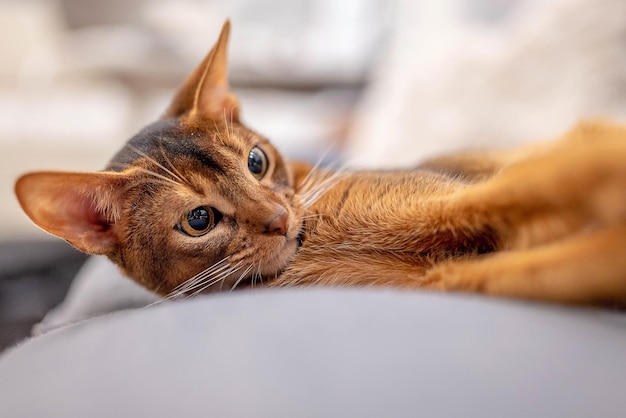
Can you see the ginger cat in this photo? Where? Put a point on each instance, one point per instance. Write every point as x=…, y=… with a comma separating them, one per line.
x=197, y=202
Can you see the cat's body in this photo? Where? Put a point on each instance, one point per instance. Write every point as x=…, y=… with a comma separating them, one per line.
x=197, y=202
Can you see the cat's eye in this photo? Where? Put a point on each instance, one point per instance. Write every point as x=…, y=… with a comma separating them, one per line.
x=199, y=221
x=257, y=162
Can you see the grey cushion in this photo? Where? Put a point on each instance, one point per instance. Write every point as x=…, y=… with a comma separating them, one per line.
x=325, y=353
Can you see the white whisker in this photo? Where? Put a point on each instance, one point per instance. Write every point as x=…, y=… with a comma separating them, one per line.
x=218, y=279
x=318, y=187
x=313, y=216
x=202, y=280
x=228, y=132
x=317, y=164
x=174, y=169
x=208, y=270
x=155, y=162
x=218, y=133
x=157, y=175
x=243, y=275
x=208, y=274
x=146, y=171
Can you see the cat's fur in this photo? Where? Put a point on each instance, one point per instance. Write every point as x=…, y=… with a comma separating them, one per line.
x=545, y=223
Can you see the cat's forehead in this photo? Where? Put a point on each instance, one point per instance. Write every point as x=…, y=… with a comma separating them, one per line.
x=204, y=142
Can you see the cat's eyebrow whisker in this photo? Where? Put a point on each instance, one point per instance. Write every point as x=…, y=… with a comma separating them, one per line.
x=228, y=132
x=157, y=175
x=218, y=133
x=232, y=125
x=145, y=171
x=155, y=162
x=179, y=175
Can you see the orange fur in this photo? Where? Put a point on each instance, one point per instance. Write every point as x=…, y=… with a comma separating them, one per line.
x=545, y=222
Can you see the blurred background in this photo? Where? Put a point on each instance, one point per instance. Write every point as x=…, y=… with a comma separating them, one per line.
x=384, y=82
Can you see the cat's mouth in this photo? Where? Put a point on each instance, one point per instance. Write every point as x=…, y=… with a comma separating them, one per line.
x=300, y=237
x=273, y=267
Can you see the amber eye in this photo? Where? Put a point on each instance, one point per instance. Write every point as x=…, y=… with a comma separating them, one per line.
x=199, y=221
x=257, y=162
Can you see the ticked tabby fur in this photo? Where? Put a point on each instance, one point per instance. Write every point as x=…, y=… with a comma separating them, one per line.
x=197, y=202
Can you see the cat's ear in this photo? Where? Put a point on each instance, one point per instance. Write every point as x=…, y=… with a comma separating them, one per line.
x=78, y=207
x=206, y=90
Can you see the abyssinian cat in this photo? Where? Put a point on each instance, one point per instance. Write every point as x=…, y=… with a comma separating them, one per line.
x=197, y=202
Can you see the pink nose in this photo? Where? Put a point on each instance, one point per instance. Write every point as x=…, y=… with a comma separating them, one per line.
x=279, y=224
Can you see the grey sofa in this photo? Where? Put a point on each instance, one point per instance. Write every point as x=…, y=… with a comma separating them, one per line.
x=325, y=353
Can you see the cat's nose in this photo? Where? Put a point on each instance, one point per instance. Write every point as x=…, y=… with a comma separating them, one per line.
x=279, y=224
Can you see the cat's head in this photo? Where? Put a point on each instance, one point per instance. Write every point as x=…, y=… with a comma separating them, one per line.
x=192, y=191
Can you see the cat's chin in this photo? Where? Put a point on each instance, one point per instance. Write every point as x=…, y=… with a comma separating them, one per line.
x=272, y=266
x=279, y=261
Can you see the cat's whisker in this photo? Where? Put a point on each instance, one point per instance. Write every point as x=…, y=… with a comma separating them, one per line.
x=312, y=216
x=218, y=133
x=155, y=162
x=209, y=270
x=196, y=280
x=218, y=279
x=310, y=180
x=228, y=132
x=146, y=171
x=209, y=279
x=157, y=175
x=243, y=276
x=257, y=276
x=231, y=122
x=316, y=167
x=202, y=284
x=214, y=278
x=317, y=176
x=322, y=187
x=179, y=175
x=204, y=279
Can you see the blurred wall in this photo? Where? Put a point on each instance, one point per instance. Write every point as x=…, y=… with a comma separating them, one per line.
x=391, y=81
x=79, y=77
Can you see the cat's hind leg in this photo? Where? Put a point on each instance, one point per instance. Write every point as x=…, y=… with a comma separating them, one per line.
x=577, y=185
x=559, y=218
x=587, y=268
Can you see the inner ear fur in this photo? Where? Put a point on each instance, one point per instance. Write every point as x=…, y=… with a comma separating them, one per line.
x=206, y=91
x=81, y=208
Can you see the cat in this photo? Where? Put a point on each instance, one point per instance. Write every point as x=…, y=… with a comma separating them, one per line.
x=196, y=202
